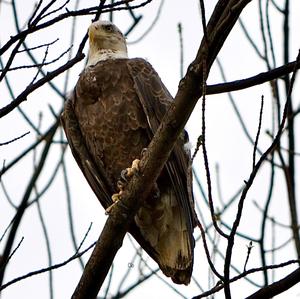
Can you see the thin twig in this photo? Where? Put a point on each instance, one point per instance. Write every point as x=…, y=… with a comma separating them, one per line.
x=152, y=25
x=48, y=246
x=203, y=135
x=55, y=10
x=37, y=7
x=264, y=221
x=249, y=248
x=29, y=149
x=14, y=139
x=6, y=194
x=39, y=46
x=250, y=39
x=40, y=271
x=258, y=130
x=263, y=35
x=181, y=63
x=7, y=228
x=277, y=7
x=4, y=260
x=39, y=65
x=219, y=286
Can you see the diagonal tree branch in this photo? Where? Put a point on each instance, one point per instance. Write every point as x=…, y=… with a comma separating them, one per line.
x=277, y=287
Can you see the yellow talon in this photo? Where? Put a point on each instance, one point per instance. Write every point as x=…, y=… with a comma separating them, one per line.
x=108, y=210
x=134, y=168
x=115, y=198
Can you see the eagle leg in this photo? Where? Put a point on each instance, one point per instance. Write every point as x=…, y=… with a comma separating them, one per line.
x=121, y=184
x=134, y=169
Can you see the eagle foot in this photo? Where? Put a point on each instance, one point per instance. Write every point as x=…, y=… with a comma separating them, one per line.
x=109, y=209
x=121, y=184
x=115, y=198
x=124, y=176
x=144, y=151
x=134, y=169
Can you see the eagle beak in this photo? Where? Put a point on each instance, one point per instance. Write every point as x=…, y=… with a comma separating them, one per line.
x=95, y=33
x=91, y=33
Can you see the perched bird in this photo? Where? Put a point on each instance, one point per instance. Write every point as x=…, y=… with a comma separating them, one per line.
x=111, y=116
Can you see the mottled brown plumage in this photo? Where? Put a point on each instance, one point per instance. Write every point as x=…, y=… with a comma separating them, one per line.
x=113, y=113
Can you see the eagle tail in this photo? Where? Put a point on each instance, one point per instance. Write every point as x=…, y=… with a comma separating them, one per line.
x=163, y=225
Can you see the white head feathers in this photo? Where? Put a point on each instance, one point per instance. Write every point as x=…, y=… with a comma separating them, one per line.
x=106, y=42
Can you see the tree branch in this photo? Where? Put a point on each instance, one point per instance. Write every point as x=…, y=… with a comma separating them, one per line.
x=23, y=205
x=254, y=80
x=277, y=287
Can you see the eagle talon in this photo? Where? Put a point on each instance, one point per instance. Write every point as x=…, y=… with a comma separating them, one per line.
x=109, y=209
x=134, y=169
x=144, y=151
x=124, y=175
x=115, y=198
x=156, y=192
x=121, y=185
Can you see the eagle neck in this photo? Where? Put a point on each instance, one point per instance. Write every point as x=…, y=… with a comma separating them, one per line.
x=105, y=54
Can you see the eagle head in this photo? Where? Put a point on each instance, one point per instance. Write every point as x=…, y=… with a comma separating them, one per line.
x=106, y=42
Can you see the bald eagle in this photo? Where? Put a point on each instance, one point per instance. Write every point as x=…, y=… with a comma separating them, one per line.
x=111, y=116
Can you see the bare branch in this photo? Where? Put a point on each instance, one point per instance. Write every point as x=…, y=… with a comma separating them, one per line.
x=258, y=130
x=39, y=46
x=39, y=65
x=277, y=287
x=14, y=139
x=4, y=260
x=253, y=81
x=220, y=286
x=152, y=25
x=249, y=248
x=40, y=271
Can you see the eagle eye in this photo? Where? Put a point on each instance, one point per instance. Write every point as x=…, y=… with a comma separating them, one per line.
x=108, y=28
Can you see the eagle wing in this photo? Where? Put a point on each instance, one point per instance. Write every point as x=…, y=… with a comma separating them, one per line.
x=94, y=173
x=156, y=100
